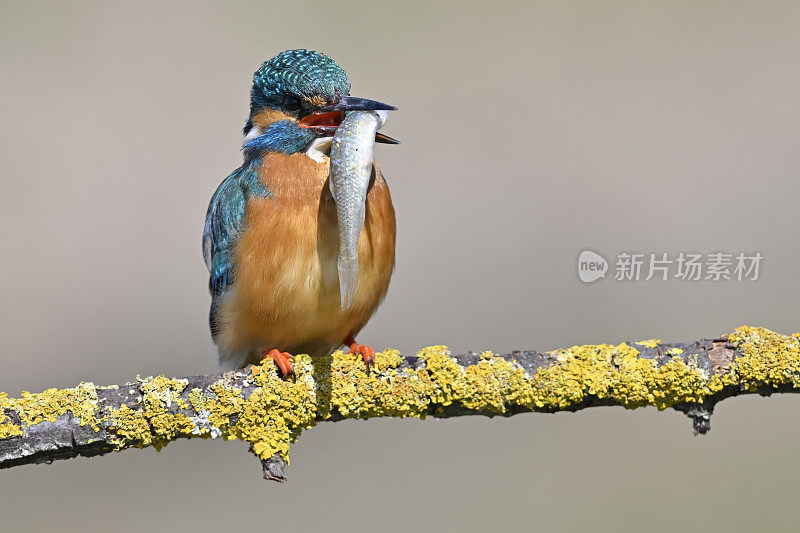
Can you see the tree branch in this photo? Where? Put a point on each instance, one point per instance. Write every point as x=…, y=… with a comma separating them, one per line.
x=254, y=405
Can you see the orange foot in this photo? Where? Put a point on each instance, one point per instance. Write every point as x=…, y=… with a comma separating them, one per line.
x=365, y=350
x=283, y=361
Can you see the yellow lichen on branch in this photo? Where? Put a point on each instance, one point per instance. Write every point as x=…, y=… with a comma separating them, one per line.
x=256, y=406
x=770, y=359
x=32, y=408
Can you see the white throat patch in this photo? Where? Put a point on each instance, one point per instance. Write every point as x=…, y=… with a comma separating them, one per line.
x=254, y=132
x=320, y=149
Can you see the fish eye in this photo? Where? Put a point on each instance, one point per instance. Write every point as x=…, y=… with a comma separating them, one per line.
x=291, y=104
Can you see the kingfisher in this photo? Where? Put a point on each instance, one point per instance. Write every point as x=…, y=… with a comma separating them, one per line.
x=270, y=241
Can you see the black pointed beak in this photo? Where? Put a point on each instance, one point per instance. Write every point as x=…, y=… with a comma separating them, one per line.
x=326, y=119
x=354, y=103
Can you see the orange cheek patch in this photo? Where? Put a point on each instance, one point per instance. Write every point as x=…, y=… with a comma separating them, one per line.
x=266, y=117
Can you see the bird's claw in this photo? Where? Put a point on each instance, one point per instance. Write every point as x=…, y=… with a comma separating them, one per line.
x=366, y=352
x=283, y=361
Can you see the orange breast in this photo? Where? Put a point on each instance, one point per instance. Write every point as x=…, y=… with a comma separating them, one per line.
x=286, y=289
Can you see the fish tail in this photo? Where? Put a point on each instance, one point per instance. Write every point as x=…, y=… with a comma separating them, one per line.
x=348, y=275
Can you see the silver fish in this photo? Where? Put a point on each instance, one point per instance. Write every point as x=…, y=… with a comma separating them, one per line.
x=351, y=168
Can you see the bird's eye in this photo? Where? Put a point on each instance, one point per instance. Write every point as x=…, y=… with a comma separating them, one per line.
x=291, y=104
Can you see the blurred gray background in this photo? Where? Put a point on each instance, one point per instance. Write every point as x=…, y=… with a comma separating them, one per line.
x=530, y=131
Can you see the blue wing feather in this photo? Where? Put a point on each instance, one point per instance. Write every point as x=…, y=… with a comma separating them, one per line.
x=224, y=221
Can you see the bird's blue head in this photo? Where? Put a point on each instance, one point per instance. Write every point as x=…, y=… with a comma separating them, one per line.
x=295, y=79
x=299, y=96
